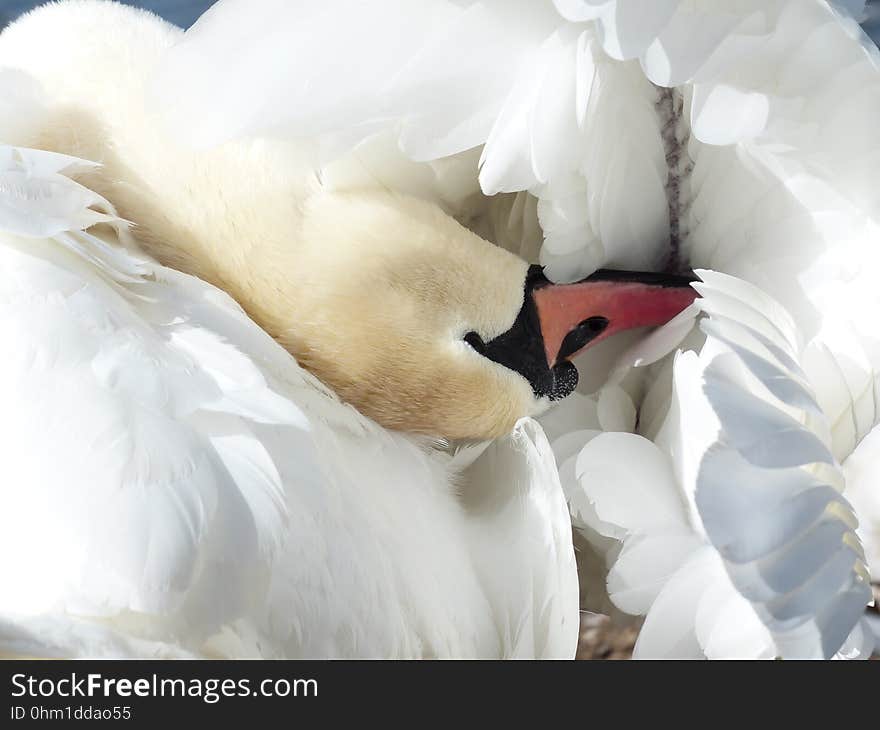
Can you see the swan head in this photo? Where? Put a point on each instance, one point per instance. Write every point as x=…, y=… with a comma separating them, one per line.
x=426, y=327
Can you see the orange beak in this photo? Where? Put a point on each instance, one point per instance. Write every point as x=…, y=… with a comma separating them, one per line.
x=557, y=321
x=575, y=316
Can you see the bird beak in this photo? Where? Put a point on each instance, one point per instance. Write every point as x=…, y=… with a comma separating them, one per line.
x=575, y=316
x=557, y=321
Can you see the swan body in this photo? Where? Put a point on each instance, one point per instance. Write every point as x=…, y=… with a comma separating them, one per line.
x=175, y=483
x=178, y=486
x=734, y=164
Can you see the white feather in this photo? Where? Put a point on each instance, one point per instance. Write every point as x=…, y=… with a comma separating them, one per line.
x=177, y=485
x=620, y=174
x=753, y=551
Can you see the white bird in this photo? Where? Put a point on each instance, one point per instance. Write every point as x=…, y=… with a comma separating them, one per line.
x=735, y=165
x=204, y=495
x=732, y=137
x=176, y=485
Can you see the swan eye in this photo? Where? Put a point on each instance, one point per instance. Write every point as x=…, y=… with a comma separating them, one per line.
x=476, y=342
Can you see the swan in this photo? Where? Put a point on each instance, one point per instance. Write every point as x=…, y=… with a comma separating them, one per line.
x=443, y=341
x=205, y=495
x=730, y=137
x=179, y=487
x=611, y=139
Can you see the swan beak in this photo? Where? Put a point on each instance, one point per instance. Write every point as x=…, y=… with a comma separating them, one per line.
x=575, y=316
x=557, y=321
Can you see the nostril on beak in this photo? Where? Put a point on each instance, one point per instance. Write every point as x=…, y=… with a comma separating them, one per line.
x=581, y=336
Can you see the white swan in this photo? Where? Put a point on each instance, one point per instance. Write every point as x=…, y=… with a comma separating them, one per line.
x=754, y=160
x=200, y=498
x=176, y=485
x=256, y=220
x=787, y=204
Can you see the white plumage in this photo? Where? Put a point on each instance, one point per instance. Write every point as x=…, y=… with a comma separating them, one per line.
x=175, y=484
x=755, y=160
x=728, y=530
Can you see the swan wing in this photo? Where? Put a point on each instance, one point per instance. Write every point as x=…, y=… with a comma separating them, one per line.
x=740, y=493
x=135, y=481
x=769, y=491
x=562, y=96
x=520, y=533
x=345, y=69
